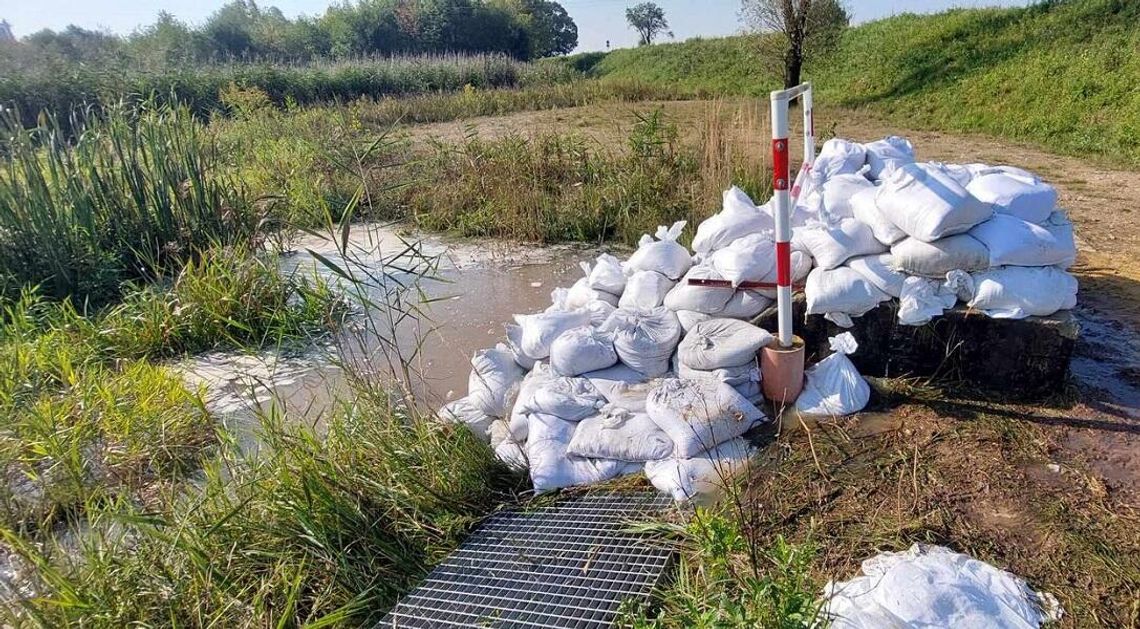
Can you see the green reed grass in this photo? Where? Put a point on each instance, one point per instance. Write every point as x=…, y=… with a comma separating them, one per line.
x=134, y=196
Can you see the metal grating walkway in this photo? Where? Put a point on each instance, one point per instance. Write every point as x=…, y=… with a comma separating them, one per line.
x=571, y=564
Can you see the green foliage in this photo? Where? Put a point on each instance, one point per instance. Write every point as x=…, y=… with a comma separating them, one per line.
x=722, y=584
x=137, y=194
x=317, y=528
x=648, y=20
x=1056, y=73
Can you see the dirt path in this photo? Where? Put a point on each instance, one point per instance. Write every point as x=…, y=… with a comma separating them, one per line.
x=1102, y=430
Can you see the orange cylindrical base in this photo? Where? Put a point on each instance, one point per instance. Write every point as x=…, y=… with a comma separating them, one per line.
x=782, y=371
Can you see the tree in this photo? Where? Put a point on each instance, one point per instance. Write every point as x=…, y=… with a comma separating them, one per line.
x=6, y=36
x=800, y=29
x=552, y=30
x=648, y=20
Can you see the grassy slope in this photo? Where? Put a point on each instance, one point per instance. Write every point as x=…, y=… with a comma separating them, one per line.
x=1062, y=74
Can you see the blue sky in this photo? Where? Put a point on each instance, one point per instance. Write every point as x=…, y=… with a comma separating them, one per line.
x=598, y=20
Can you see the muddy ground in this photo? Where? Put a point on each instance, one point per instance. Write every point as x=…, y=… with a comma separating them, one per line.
x=1049, y=490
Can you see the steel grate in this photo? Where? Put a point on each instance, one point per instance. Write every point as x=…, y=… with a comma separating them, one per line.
x=571, y=564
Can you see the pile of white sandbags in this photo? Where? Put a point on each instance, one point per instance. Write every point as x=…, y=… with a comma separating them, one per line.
x=606, y=381
x=991, y=237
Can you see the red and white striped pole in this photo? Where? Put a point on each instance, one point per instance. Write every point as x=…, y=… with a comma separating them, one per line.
x=781, y=184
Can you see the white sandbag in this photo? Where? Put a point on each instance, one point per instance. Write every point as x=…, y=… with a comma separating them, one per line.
x=923, y=299
x=551, y=468
x=880, y=271
x=927, y=204
x=732, y=376
x=607, y=275
x=538, y=377
x=1014, y=242
x=750, y=391
x=581, y=293
x=840, y=294
x=645, y=289
x=1027, y=198
x=962, y=174
x=865, y=210
x=885, y=155
x=745, y=304
x=644, y=338
x=598, y=312
x=833, y=244
x=494, y=373
x=833, y=386
x=747, y=259
x=703, y=476
x=931, y=586
x=514, y=341
x=567, y=398
x=463, y=411
x=978, y=169
x=719, y=343
x=620, y=434
x=582, y=349
x=706, y=299
x=836, y=157
x=559, y=300
x=689, y=318
x=540, y=330
x=700, y=414
x=1016, y=292
x=506, y=448
x=738, y=217
x=621, y=386
x=663, y=255
x=807, y=206
x=838, y=192
x=936, y=259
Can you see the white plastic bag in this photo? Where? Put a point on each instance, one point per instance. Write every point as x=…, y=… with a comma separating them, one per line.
x=1027, y=198
x=747, y=259
x=720, y=343
x=733, y=376
x=885, y=155
x=663, y=255
x=923, y=299
x=538, y=377
x=738, y=217
x=645, y=289
x=644, y=339
x=838, y=192
x=582, y=349
x=840, y=294
x=833, y=244
x=930, y=586
x=551, y=468
x=745, y=304
x=936, y=259
x=702, y=476
x=506, y=448
x=581, y=293
x=706, y=299
x=1014, y=242
x=690, y=318
x=959, y=173
x=1016, y=292
x=700, y=414
x=607, y=275
x=540, y=330
x=494, y=373
x=621, y=386
x=1061, y=228
x=598, y=312
x=927, y=204
x=836, y=157
x=880, y=271
x=620, y=434
x=833, y=386
x=462, y=411
x=865, y=210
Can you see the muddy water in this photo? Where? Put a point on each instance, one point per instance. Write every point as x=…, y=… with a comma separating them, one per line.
x=462, y=292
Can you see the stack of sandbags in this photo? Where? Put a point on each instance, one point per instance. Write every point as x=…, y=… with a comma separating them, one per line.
x=723, y=350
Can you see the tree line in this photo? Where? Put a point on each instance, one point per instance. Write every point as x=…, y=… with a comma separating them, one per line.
x=242, y=29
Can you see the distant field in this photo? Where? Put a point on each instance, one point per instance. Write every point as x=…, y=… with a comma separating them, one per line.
x=1061, y=74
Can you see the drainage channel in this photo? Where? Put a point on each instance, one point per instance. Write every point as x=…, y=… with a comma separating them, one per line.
x=570, y=564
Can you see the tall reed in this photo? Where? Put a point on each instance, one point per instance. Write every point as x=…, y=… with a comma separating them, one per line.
x=136, y=194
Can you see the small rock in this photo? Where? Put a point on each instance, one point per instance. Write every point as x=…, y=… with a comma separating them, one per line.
x=1053, y=467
